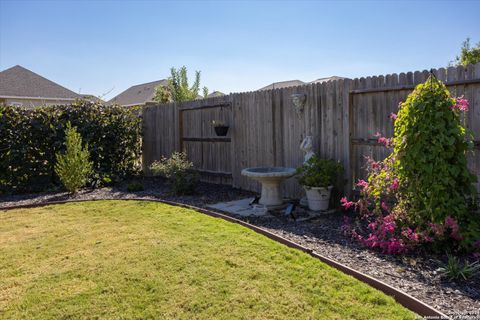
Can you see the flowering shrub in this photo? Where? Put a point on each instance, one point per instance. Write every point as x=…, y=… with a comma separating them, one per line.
x=423, y=193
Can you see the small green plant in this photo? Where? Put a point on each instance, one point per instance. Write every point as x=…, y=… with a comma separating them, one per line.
x=73, y=167
x=218, y=123
x=135, y=187
x=318, y=172
x=454, y=270
x=178, y=169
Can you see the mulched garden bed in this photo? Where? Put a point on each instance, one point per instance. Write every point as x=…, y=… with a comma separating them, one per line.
x=415, y=275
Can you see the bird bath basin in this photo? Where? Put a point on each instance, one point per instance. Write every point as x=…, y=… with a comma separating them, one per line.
x=270, y=178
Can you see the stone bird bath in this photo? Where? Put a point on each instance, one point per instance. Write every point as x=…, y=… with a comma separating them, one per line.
x=271, y=179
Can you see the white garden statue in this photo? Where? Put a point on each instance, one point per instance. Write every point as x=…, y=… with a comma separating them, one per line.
x=307, y=147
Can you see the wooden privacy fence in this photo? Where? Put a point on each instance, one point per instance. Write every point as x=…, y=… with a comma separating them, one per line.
x=265, y=130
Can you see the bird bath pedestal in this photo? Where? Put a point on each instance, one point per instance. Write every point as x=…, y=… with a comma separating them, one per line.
x=270, y=178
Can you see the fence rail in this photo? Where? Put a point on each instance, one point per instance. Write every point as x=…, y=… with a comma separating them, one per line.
x=265, y=130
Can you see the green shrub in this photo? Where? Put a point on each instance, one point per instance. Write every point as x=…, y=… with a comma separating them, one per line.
x=178, y=169
x=30, y=138
x=430, y=147
x=73, y=167
x=135, y=187
x=320, y=173
x=423, y=193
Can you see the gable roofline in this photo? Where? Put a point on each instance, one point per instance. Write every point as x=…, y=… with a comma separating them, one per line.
x=37, y=98
x=21, y=82
x=137, y=94
x=282, y=84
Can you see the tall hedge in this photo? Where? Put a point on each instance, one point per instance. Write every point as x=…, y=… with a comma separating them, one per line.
x=30, y=138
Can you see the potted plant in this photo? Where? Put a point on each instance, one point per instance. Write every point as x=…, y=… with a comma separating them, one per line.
x=221, y=129
x=318, y=176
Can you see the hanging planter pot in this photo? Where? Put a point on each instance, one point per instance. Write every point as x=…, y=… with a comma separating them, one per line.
x=221, y=131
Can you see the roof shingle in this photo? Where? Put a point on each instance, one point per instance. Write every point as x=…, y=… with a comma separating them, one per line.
x=138, y=94
x=20, y=82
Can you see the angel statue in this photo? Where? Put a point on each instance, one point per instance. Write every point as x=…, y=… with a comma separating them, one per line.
x=307, y=147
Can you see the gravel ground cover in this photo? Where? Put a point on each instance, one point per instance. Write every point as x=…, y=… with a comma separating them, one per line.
x=416, y=275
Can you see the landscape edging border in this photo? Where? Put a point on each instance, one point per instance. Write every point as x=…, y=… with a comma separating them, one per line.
x=401, y=297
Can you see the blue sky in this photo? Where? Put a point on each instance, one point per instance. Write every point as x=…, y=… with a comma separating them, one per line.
x=100, y=46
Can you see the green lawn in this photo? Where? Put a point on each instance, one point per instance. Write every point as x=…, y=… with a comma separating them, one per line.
x=146, y=260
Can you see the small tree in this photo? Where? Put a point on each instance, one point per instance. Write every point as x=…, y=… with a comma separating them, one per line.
x=177, y=89
x=73, y=167
x=468, y=55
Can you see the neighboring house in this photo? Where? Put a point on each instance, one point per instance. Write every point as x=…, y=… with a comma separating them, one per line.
x=22, y=87
x=215, y=94
x=137, y=95
x=282, y=84
x=294, y=83
x=332, y=78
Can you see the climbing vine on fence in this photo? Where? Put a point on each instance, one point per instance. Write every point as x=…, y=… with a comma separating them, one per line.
x=423, y=193
x=29, y=139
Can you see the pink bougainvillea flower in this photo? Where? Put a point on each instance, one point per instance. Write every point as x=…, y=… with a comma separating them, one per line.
x=372, y=241
x=389, y=227
x=372, y=163
x=385, y=206
x=394, y=185
x=362, y=183
x=372, y=225
x=385, y=141
x=393, y=116
x=411, y=235
x=452, y=224
x=437, y=229
x=428, y=239
x=461, y=104
x=395, y=246
x=346, y=204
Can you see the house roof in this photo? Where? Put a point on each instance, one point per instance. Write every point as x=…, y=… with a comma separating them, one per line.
x=320, y=80
x=215, y=94
x=138, y=94
x=282, y=84
x=20, y=82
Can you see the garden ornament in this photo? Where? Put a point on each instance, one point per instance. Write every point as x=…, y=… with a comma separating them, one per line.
x=307, y=147
x=299, y=100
